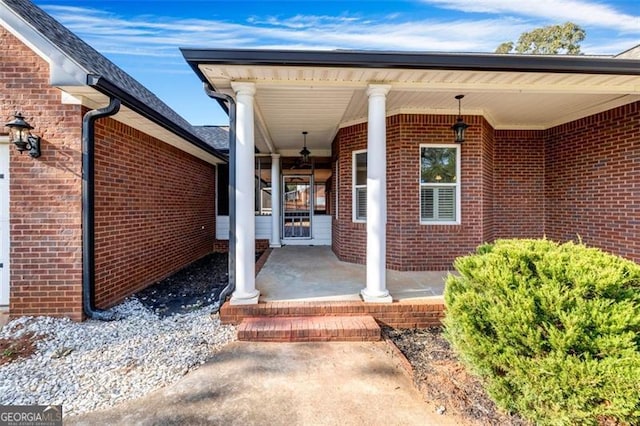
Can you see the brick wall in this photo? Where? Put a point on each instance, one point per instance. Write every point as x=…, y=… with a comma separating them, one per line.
x=578, y=179
x=410, y=245
x=519, y=200
x=488, y=184
x=592, y=181
x=222, y=246
x=349, y=239
x=154, y=210
x=45, y=193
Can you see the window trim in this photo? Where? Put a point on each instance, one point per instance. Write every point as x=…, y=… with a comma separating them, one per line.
x=457, y=185
x=354, y=218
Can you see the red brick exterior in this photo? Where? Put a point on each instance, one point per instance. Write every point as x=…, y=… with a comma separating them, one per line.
x=416, y=314
x=155, y=205
x=45, y=193
x=154, y=210
x=222, y=246
x=412, y=246
x=519, y=200
x=592, y=181
x=580, y=179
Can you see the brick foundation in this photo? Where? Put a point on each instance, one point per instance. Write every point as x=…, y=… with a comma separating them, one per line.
x=397, y=314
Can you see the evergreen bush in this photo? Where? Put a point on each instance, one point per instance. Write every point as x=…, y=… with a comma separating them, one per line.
x=552, y=329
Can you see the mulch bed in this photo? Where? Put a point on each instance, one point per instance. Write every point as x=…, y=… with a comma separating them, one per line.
x=442, y=379
x=16, y=348
x=192, y=287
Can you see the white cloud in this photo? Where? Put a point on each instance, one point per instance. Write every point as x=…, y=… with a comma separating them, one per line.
x=583, y=13
x=155, y=37
x=160, y=37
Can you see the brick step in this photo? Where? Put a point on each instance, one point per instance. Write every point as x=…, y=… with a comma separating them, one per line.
x=309, y=329
x=398, y=315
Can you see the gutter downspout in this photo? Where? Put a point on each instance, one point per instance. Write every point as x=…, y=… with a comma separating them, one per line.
x=231, y=285
x=88, y=217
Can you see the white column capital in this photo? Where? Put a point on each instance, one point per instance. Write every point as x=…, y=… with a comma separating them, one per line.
x=244, y=88
x=378, y=89
x=275, y=156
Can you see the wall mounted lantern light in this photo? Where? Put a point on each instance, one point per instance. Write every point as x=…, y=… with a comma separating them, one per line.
x=21, y=137
x=304, y=152
x=460, y=126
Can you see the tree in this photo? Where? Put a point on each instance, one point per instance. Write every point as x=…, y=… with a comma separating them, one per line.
x=549, y=40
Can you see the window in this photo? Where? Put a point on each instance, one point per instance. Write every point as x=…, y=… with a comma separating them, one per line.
x=439, y=184
x=360, y=186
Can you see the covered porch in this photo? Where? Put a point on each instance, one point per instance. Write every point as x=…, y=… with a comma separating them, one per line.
x=398, y=189
x=314, y=274
x=310, y=281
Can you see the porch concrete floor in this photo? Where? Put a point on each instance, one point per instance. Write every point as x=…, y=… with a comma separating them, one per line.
x=314, y=273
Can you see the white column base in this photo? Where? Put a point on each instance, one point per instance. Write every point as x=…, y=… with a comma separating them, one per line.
x=277, y=245
x=244, y=299
x=384, y=297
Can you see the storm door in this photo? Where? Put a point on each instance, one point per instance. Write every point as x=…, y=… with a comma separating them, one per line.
x=297, y=201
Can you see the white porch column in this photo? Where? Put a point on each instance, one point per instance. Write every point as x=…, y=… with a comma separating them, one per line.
x=275, y=200
x=376, y=289
x=245, y=292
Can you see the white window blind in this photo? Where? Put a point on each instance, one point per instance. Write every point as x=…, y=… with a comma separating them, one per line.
x=359, y=186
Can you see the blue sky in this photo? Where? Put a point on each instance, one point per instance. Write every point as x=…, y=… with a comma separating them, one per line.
x=142, y=37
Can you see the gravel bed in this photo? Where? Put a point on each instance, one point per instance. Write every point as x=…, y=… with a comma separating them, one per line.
x=92, y=365
x=162, y=333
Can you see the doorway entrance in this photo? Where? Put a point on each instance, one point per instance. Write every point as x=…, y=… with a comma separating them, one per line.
x=297, y=206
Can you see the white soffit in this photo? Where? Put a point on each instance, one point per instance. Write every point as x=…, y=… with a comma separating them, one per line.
x=322, y=99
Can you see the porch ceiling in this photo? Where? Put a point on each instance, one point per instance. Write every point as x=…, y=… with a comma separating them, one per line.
x=320, y=100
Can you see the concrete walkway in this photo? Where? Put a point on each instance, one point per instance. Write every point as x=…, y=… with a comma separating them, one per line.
x=297, y=273
x=283, y=384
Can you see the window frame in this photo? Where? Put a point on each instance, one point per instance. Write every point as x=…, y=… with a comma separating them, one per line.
x=354, y=187
x=457, y=185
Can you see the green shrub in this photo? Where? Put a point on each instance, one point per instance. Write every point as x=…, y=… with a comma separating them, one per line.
x=553, y=330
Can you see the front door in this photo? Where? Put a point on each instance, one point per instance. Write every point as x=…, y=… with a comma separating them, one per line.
x=4, y=221
x=297, y=202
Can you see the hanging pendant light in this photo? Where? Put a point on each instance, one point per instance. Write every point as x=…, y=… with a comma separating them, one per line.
x=460, y=126
x=304, y=152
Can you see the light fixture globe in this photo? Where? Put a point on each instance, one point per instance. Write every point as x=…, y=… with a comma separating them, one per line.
x=460, y=127
x=21, y=137
x=304, y=152
x=19, y=132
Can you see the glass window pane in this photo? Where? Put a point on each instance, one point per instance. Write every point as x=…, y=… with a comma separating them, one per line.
x=361, y=168
x=438, y=165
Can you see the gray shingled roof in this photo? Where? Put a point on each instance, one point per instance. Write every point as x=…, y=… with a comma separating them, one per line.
x=94, y=63
x=216, y=136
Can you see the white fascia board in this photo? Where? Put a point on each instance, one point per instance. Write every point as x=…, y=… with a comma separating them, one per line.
x=63, y=71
